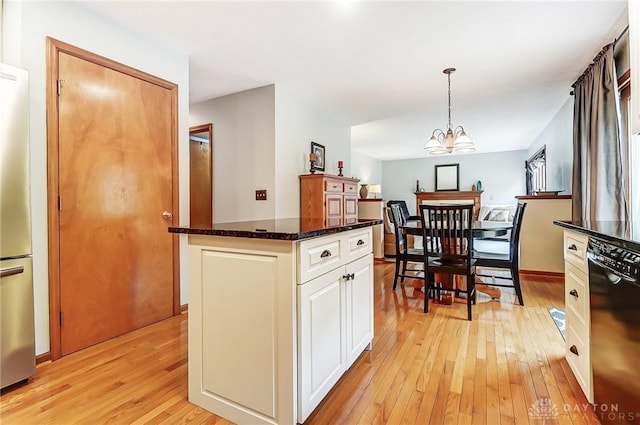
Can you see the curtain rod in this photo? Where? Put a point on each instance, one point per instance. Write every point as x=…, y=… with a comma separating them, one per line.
x=615, y=41
x=621, y=35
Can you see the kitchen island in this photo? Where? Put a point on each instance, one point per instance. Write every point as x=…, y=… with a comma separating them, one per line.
x=277, y=313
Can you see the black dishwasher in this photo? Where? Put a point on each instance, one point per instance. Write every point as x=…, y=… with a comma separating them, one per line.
x=614, y=286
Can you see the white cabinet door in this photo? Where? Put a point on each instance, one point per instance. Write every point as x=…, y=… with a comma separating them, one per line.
x=359, y=306
x=321, y=339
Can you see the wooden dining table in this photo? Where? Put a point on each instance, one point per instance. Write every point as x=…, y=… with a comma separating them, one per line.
x=480, y=229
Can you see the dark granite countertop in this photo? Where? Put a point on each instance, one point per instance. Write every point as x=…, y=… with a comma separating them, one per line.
x=289, y=229
x=622, y=233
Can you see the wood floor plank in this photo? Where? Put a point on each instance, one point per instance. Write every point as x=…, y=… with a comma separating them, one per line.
x=436, y=368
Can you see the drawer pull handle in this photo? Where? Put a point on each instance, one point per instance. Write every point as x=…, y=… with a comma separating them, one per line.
x=360, y=242
x=574, y=350
x=574, y=293
x=326, y=253
x=572, y=247
x=10, y=271
x=349, y=276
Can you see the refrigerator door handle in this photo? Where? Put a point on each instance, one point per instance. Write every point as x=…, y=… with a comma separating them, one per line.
x=10, y=271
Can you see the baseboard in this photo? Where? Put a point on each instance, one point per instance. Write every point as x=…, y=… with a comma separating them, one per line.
x=184, y=307
x=44, y=357
x=544, y=276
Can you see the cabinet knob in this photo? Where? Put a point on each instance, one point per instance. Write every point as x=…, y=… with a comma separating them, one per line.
x=574, y=350
x=326, y=253
x=352, y=275
x=360, y=242
x=574, y=293
x=167, y=215
x=572, y=247
x=346, y=277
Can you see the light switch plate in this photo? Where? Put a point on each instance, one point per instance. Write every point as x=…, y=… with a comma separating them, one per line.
x=261, y=195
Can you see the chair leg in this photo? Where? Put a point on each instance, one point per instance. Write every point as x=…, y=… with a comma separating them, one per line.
x=427, y=287
x=395, y=276
x=470, y=295
x=404, y=270
x=515, y=276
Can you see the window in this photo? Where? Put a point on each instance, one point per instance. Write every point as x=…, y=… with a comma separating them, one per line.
x=536, y=169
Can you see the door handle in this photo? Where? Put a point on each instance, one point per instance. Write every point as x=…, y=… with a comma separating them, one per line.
x=10, y=271
x=167, y=215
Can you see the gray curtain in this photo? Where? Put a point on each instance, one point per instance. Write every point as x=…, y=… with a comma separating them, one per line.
x=599, y=186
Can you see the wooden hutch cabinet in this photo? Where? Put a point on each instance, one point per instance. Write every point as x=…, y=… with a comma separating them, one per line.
x=331, y=198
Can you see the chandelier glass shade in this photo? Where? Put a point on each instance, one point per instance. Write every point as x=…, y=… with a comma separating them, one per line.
x=453, y=139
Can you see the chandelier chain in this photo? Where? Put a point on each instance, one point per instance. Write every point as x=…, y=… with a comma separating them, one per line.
x=449, y=126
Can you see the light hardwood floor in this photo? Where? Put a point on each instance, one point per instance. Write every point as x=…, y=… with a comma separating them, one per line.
x=507, y=366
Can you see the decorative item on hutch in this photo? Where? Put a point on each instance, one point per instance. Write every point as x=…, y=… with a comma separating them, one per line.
x=340, y=168
x=318, y=151
x=312, y=161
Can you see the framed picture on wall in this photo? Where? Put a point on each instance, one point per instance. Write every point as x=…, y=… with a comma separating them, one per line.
x=318, y=150
x=447, y=177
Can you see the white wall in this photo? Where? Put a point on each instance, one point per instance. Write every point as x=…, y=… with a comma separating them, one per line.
x=367, y=169
x=558, y=137
x=243, y=152
x=25, y=27
x=261, y=140
x=298, y=123
x=501, y=173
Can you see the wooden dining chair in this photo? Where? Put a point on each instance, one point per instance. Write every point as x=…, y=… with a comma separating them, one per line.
x=404, y=209
x=448, y=246
x=404, y=254
x=509, y=261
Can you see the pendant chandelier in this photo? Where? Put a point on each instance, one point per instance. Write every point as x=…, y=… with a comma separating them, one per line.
x=454, y=139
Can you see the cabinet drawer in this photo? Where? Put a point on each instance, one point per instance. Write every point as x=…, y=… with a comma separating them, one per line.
x=318, y=256
x=580, y=363
x=351, y=187
x=332, y=185
x=575, y=246
x=358, y=243
x=576, y=295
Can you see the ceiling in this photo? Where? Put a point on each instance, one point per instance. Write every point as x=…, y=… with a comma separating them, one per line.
x=377, y=66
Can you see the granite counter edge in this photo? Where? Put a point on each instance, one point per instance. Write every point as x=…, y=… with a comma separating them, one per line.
x=273, y=235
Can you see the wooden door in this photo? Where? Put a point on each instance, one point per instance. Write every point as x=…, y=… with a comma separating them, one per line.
x=200, y=175
x=116, y=176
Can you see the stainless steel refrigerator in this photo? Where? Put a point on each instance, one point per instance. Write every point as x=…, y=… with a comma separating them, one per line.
x=17, y=334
